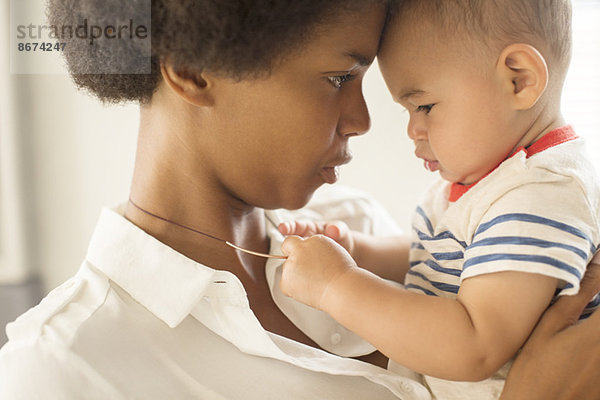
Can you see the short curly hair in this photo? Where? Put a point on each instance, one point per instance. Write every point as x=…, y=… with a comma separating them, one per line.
x=238, y=38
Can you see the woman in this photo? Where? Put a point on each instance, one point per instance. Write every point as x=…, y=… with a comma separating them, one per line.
x=249, y=106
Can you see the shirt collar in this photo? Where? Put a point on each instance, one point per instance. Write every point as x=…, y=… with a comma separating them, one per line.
x=164, y=281
x=171, y=286
x=550, y=139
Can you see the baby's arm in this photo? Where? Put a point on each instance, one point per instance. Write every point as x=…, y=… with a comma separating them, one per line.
x=465, y=339
x=385, y=256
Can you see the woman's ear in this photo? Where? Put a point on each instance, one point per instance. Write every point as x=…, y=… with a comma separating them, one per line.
x=525, y=72
x=193, y=87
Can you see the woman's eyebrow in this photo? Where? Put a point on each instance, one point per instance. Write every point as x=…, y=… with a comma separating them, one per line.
x=360, y=59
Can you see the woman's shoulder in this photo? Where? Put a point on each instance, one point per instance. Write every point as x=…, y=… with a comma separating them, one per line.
x=57, y=318
x=39, y=360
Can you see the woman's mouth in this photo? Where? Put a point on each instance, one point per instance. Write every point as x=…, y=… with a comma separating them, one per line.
x=331, y=173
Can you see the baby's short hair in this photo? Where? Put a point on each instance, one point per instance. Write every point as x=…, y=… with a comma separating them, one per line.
x=544, y=24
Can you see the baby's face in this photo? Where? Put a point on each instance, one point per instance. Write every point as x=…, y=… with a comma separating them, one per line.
x=460, y=119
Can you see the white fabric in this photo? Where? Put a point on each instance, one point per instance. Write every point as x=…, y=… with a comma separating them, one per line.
x=537, y=215
x=140, y=320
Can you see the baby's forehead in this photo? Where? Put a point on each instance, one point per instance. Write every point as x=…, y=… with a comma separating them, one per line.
x=545, y=25
x=426, y=40
x=410, y=42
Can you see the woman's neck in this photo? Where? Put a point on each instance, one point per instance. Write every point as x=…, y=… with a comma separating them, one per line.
x=170, y=181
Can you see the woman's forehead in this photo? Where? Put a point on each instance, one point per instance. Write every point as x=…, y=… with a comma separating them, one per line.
x=352, y=36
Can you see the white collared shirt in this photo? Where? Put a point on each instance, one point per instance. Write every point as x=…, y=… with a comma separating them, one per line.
x=141, y=321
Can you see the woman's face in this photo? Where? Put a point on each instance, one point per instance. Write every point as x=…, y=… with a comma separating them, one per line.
x=275, y=140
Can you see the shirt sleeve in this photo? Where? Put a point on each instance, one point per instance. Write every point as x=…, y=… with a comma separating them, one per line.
x=46, y=371
x=544, y=228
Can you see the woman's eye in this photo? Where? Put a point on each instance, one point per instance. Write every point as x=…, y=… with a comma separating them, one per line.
x=339, y=80
x=426, y=108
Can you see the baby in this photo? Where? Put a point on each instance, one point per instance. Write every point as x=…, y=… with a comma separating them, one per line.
x=512, y=223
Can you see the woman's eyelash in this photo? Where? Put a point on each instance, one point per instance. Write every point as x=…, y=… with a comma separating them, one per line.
x=426, y=108
x=339, y=80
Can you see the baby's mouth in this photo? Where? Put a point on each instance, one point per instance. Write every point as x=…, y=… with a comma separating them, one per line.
x=431, y=166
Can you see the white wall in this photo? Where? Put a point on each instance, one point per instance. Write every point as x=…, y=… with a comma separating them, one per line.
x=78, y=155
x=81, y=158
x=384, y=164
x=581, y=96
x=12, y=235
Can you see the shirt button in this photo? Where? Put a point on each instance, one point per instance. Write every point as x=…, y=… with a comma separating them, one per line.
x=336, y=338
x=406, y=387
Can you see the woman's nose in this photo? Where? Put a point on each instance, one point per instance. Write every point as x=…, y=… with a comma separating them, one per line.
x=355, y=119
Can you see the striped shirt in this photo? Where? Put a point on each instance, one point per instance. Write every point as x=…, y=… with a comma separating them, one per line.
x=537, y=212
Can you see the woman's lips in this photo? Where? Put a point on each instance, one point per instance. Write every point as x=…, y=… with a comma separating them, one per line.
x=331, y=173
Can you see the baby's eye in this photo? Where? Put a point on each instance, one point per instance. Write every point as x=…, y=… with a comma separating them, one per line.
x=339, y=80
x=426, y=108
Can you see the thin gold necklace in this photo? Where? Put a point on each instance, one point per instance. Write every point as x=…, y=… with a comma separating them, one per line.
x=228, y=243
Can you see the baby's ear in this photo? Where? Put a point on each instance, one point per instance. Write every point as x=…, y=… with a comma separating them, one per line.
x=193, y=87
x=525, y=72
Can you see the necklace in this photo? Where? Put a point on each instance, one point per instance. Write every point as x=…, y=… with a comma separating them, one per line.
x=228, y=243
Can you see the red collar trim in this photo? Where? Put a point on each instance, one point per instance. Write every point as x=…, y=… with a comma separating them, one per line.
x=550, y=139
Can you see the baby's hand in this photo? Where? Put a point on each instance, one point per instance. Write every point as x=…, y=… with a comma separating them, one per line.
x=312, y=265
x=336, y=230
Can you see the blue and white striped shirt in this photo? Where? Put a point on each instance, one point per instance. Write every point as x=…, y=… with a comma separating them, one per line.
x=534, y=213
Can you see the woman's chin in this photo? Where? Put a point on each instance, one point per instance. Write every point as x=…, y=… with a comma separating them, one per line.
x=292, y=200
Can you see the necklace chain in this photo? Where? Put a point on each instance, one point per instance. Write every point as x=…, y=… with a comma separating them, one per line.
x=254, y=253
x=176, y=223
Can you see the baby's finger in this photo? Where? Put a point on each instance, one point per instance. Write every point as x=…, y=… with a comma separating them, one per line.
x=336, y=230
x=290, y=244
x=333, y=231
x=291, y=228
x=299, y=228
x=285, y=228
